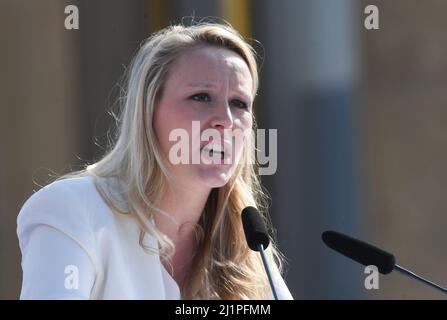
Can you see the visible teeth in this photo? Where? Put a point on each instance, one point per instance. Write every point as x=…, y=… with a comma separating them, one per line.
x=217, y=148
x=211, y=152
x=214, y=147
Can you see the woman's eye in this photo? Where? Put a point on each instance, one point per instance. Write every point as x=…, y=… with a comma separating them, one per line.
x=205, y=97
x=201, y=97
x=239, y=104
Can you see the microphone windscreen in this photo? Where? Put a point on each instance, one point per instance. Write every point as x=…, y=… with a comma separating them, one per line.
x=360, y=251
x=254, y=229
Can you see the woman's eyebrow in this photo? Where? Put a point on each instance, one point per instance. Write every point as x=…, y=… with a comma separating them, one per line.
x=212, y=85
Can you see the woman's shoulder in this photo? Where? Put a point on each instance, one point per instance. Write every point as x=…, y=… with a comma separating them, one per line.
x=64, y=193
x=61, y=205
x=78, y=185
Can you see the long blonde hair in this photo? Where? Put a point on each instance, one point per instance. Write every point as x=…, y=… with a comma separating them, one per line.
x=133, y=171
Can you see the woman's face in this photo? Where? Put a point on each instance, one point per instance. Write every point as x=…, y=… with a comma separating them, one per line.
x=208, y=90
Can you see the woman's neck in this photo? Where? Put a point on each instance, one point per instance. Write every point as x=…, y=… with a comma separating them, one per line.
x=184, y=207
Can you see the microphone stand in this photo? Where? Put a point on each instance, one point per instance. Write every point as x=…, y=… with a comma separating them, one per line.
x=267, y=270
x=419, y=278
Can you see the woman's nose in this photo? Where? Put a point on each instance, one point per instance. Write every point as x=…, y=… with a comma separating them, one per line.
x=222, y=117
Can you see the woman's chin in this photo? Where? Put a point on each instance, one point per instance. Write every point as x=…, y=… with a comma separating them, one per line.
x=215, y=176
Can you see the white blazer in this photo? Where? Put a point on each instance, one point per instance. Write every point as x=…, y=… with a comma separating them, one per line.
x=74, y=247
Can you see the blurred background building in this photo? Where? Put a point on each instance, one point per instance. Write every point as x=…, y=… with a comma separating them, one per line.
x=361, y=118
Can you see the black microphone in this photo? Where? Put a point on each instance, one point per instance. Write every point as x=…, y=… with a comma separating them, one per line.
x=257, y=238
x=367, y=254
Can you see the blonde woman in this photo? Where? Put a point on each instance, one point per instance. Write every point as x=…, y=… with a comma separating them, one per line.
x=138, y=225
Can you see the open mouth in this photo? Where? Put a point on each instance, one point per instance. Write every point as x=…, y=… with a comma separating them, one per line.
x=217, y=152
x=212, y=151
